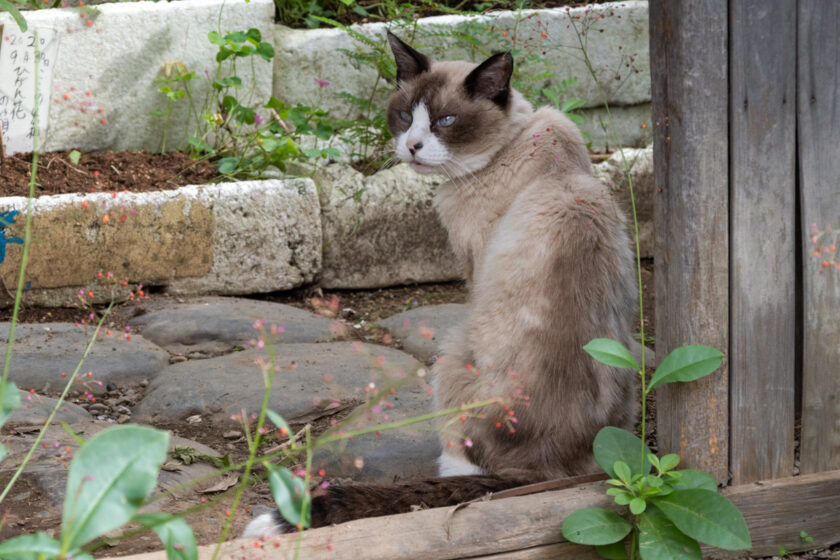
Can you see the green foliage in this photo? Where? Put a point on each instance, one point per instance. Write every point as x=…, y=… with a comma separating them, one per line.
x=13, y=10
x=290, y=495
x=104, y=495
x=686, y=363
x=611, y=352
x=612, y=445
x=228, y=126
x=177, y=537
x=673, y=510
x=595, y=526
x=109, y=478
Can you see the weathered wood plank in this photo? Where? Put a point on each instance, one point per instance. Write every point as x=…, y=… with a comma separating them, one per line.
x=818, y=83
x=689, y=101
x=775, y=511
x=762, y=171
x=497, y=527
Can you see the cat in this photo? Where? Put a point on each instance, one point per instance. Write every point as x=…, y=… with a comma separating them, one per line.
x=549, y=267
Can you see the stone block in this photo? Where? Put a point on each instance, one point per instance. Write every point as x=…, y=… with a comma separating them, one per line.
x=111, y=64
x=381, y=230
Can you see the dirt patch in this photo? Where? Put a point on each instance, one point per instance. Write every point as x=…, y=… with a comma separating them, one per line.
x=103, y=171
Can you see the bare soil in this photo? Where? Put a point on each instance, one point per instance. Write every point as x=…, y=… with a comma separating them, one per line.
x=103, y=171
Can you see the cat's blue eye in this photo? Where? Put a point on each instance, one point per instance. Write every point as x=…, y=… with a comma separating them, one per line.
x=405, y=116
x=446, y=121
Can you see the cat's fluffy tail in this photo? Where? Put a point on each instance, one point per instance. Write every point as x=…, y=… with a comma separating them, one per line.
x=339, y=504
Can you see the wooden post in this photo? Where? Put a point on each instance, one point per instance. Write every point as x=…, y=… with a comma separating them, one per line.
x=818, y=106
x=689, y=67
x=762, y=156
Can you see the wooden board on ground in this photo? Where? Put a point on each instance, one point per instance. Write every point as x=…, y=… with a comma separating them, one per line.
x=528, y=527
x=762, y=160
x=689, y=103
x=818, y=82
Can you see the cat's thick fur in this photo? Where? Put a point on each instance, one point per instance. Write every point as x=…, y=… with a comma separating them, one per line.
x=549, y=265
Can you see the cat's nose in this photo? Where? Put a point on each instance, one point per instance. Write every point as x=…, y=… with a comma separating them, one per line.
x=415, y=148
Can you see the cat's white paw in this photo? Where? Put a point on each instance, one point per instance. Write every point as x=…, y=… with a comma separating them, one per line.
x=456, y=466
x=266, y=525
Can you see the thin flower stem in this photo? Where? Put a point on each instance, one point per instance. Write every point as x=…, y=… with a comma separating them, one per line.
x=58, y=404
x=606, y=104
x=253, y=447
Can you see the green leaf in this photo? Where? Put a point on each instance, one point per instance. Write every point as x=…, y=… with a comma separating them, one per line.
x=228, y=165
x=290, y=495
x=157, y=113
x=36, y=547
x=9, y=7
x=659, y=539
x=572, y=104
x=623, y=498
x=74, y=156
x=614, y=444
x=686, y=363
x=265, y=50
x=108, y=479
x=694, y=479
x=611, y=352
x=622, y=471
x=637, y=506
x=232, y=81
x=254, y=35
x=613, y=551
x=669, y=461
x=177, y=537
x=595, y=526
x=707, y=517
x=215, y=38
x=11, y=400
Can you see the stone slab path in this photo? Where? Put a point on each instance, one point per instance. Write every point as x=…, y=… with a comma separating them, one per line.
x=197, y=365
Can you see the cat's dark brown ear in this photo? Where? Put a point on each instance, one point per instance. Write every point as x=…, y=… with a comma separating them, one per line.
x=491, y=79
x=410, y=63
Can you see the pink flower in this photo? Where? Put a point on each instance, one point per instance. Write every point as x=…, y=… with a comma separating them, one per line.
x=321, y=83
x=258, y=119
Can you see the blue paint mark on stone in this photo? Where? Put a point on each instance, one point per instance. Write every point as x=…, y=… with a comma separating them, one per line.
x=7, y=219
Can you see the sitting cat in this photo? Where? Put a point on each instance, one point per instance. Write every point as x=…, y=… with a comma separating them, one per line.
x=549, y=265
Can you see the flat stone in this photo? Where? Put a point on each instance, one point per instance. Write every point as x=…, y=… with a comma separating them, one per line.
x=421, y=329
x=611, y=172
x=164, y=33
x=43, y=351
x=381, y=230
x=315, y=381
x=35, y=409
x=48, y=465
x=215, y=325
x=405, y=453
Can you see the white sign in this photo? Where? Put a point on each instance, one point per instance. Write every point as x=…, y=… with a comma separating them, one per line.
x=17, y=83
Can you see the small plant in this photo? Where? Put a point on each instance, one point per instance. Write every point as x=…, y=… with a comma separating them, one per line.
x=174, y=74
x=672, y=510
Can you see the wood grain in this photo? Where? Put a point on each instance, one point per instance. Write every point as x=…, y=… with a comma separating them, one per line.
x=762, y=237
x=528, y=527
x=819, y=182
x=689, y=67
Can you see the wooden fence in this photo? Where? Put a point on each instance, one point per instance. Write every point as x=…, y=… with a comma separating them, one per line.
x=746, y=110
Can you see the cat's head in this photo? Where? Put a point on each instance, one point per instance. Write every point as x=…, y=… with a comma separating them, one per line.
x=451, y=117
